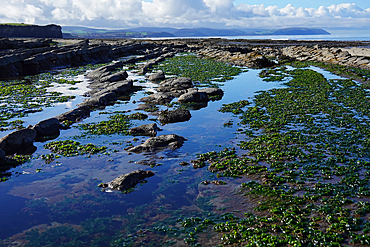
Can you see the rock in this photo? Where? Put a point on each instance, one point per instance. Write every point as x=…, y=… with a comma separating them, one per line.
x=75, y=114
x=18, y=141
x=97, y=73
x=145, y=130
x=2, y=154
x=119, y=76
x=212, y=91
x=159, y=98
x=193, y=97
x=174, y=116
x=102, y=99
x=175, y=84
x=147, y=107
x=158, y=76
x=127, y=181
x=157, y=143
x=47, y=128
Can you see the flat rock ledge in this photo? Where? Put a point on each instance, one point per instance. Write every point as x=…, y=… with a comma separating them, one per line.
x=127, y=181
x=161, y=142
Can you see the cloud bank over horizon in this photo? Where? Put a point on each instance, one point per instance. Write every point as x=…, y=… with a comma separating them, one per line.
x=184, y=13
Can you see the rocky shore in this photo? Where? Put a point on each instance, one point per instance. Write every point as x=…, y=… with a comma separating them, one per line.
x=20, y=57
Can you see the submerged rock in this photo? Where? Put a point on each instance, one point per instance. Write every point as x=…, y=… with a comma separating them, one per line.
x=127, y=181
x=157, y=143
x=145, y=130
x=174, y=116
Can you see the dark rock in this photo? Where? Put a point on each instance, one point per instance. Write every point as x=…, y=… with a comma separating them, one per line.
x=2, y=154
x=119, y=76
x=33, y=31
x=147, y=107
x=158, y=76
x=174, y=116
x=158, y=143
x=18, y=141
x=145, y=130
x=127, y=181
x=102, y=99
x=47, y=128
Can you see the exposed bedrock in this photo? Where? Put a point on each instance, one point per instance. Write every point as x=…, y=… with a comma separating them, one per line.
x=159, y=143
x=127, y=181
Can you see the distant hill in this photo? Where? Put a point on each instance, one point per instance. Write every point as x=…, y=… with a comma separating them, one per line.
x=150, y=32
x=21, y=30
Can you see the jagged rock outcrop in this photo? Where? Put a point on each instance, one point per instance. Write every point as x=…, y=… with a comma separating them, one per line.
x=127, y=181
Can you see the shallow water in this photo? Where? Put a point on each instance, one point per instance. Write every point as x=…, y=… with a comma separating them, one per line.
x=64, y=194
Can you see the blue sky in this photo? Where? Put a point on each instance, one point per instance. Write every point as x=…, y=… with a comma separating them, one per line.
x=255, y=14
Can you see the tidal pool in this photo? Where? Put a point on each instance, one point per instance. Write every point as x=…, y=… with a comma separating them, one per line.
x=57, y=200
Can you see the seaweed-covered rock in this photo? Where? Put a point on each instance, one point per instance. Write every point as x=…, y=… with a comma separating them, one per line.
x=18, y=141
x=174, y=116
x=145, y=130
x=127, y=181
x=157, y=143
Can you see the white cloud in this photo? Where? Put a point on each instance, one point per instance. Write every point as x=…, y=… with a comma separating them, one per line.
x=178, y=13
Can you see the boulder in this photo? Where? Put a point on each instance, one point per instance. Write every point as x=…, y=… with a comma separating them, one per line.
x=47, y=128
x=158, y=143
x=158, y=76
x=18, y=141
x=101, y=99
x=212, y=91
x=127, y=181
x=119, y=76
x=174, y=116
x=145, y=130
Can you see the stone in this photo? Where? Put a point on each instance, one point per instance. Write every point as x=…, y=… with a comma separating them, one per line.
x=47, y=128
x=175, y=84
x=18, y=141
x=2, y=154
x=212, y=91
x=74, y=114
x=159, y=98
x=158, y=143
x=119, y=76
x=158, y=76
x=174, y=116
x=193, y=97
x=127, y=181
x=97, y=73
x=145, y=130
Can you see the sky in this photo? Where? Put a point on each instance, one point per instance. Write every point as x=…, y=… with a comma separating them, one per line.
x=247, y=14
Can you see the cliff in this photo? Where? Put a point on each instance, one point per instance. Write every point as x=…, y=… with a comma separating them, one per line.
x=30, y=31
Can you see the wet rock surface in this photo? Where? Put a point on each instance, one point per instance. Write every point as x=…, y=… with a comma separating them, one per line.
x=127, y=181
x=49, y=128
x=171, y=141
